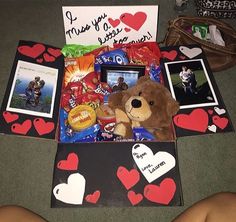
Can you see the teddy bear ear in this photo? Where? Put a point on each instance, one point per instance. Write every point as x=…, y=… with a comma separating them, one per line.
x=115, y=100
x=172, y=107
x=143, y=79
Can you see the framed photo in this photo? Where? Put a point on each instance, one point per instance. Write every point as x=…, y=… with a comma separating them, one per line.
x=190, y=84
x=121, y=77
x=33, y=90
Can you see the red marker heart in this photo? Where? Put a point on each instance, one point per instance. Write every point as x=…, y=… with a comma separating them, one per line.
x=21, y=128
x=71, y=163
x=48, y=58
x=134, y=21
x=197, y=120
x=93, y=198
x=162, y=194
x=33, y=51
x=128, y=178
x=221, y=122
x=114, y=22
x=134, y=198
x=43, y=127
x=54, y=52
x=10, y=117
x=171, y=55
x=127, y=29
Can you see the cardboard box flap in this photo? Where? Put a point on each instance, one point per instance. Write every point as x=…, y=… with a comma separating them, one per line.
x=31, y=103
x=116, y=174
x=191, y=82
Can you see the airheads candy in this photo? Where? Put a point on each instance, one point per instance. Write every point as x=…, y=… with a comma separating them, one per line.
x=81, y=117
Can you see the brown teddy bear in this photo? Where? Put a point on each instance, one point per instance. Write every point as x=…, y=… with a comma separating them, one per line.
x=148, y=104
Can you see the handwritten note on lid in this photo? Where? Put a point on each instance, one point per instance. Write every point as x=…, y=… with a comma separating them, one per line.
x=105, y=25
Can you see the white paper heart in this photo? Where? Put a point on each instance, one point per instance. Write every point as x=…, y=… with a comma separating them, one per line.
x=191, y=53
x=71, y=192
x=219, y=111
x=152, y=166
x=212, y=128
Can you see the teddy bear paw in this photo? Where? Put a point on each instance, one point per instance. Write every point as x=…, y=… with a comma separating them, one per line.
x=120, y=129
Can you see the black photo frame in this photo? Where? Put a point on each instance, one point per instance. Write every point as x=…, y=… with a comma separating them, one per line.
x=112, y=74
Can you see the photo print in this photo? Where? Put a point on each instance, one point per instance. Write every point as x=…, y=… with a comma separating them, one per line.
x=120, y=77
x=190, y=84
x=33, y=90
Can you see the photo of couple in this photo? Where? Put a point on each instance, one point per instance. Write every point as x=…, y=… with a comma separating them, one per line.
x=33, y=90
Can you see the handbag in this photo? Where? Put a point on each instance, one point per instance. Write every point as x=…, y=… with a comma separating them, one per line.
x=216, y=8
x=219, y=57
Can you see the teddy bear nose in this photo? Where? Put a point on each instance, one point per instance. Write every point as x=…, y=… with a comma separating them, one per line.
x=136, y=103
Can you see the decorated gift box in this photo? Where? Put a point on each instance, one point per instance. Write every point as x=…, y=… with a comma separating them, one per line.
x=109, y=103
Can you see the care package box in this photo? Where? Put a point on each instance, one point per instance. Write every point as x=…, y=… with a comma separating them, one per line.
x=106, y=156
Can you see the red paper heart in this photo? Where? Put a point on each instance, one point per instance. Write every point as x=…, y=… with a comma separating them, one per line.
x=134, y=21
x=71, y=163
x=10, y=117
x=221, y=122
x=197, y=120
x=33, y=51
x=134, y=198
x=48, y=58
x=93, y=198
x=162, y=194
x=171, y=55
x=182, y=57
x=128, y=178
x=21, y=128
x=114, y=22
x=43, y=127
x=54, y=52
x=39, y=60
x=210, y=111
x=127, y=29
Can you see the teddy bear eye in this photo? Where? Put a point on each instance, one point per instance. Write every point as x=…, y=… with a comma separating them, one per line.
x=151, y=103
x=140, y=93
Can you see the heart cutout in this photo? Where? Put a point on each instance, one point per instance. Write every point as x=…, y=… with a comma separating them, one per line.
x=210, y=111
x=152, y=166
x=33, y=51
x=134, y=21
x=197, y=120
x=54, y=52
x=71, y=192
x=48, y=58
x=219, y=111
x=39, y=60
x=190, y=53
x=10, y=117
x=114, y=22
x=43, y=127
x=128, y=178
x=22, y=128
x=93, y=198
x=212, y=128
x=71, y=162
x=162, y=194
x=171, y=55
x=134, y=198
x=221, y=122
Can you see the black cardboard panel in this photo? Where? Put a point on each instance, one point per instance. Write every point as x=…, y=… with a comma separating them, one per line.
x=21, y=113
x=202, y=110
x=101, y=163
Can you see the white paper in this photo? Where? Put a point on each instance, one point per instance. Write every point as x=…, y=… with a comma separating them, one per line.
x=105, y=25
